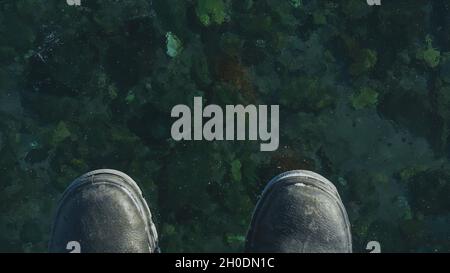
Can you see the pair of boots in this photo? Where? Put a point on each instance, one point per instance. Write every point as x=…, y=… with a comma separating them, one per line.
x=104, y=211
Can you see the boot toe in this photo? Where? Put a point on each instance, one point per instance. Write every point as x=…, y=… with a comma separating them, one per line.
x=299, y=212
x=104, y=211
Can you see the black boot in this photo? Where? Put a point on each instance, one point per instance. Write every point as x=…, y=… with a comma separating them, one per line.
x=299, y=212
x=103, y=211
